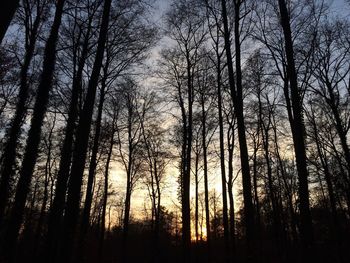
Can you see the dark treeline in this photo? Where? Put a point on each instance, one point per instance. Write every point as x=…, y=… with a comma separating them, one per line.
x=216, y=131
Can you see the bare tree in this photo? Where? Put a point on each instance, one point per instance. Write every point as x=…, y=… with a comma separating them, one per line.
x=56, y=210
x=34, y=134
x=237, y=96
x=298, y=132
x=13, y=132
x=80, y=150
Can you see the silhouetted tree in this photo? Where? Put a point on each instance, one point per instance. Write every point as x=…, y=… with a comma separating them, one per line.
x=80, y=150
x=14, y=130
x=298, y=132
x=7, y=13
x=187, y=30
x=56, y=210
x=237, y=96
x=34, y=134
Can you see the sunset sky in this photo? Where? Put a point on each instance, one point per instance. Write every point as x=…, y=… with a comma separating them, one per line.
x=140, y=198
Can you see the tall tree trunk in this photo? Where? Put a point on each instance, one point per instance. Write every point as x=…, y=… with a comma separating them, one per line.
x=342, y=133
x=48, y=175
x=129, y=182
x=222, y=166
x=327, y=174
x=265, y=128
x=183, y=164
x=286, y=186
x=298, y=132
x=343, y=174
x=230, y=140
x=155, y=192
x=186, y=208
x=206, y=190
x=255, y=187
x=238, y=107
x=56, y=210
x=158, y=210
x=81, y=145
x=7, y=12
x=105, y=193
x=93, y=164
x=34, y=135
x=196, y=213
x=277, y=225
x=126, y=219
x=13, y=132
x=206, y=200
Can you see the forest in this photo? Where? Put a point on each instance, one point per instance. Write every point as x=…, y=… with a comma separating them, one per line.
x=175, y=131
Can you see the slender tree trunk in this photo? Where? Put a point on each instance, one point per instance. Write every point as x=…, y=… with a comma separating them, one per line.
x=206, y=190
x=81, y=145
x=238, y=107
x=255, y=188
x=34, y=135
x=342, y=133
x=343, y=174
x=298, y=132
x=265, y=128
x=186, y=209
x=13, y=132
x=153, y=191
x=183, y=177
x=230, y=190
x=129, y=183
x=28, y=231
x=126, y=218
x=196, y=216
x=56, y=210
x=276, y=214
x=327, y=174
x=8, y=9
x=287, y=189
x=223, y=169
x=105, y=193
x=92, y=168
x=48, y=174
x=158, y=211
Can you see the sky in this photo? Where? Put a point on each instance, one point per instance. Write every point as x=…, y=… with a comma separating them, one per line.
x=169, y=198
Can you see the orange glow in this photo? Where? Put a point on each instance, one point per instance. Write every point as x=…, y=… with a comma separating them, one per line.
x=202, y=234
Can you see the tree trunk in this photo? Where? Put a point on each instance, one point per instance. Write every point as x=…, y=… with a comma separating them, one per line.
x=105, y=193
x=126, y=220
x=265, y=128
x=158, y=211
x=7, y=12
x=92, y=168
x=206, y=190
x=287, y=189
x=342, y=133
x=298, y=132
x=238, y=108
x=48, y=175
x=13, y=133
x=81, y=145
x=327, y=174
x=56, y=210
x=222, y=166
x=255, y=188
x=206, y=200
x=186, y=208
x=34, y=135
x=129, y=183
x=230, y=189
x=196, y=214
